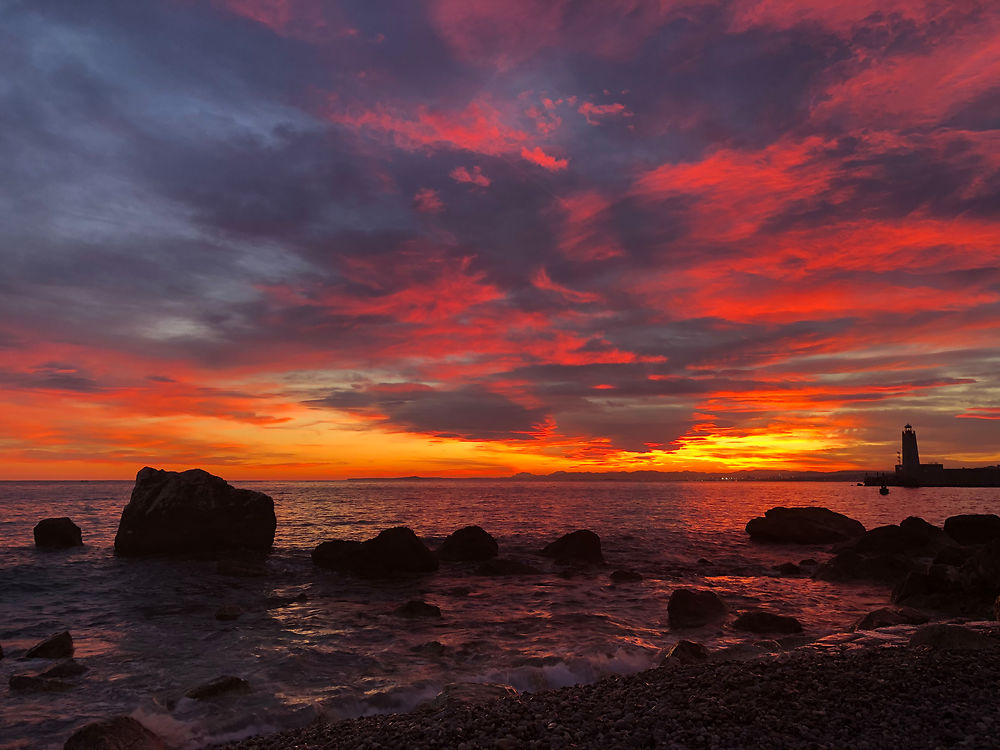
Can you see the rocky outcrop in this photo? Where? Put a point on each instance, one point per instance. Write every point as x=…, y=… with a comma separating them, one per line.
x=851, y=566
x=974, y=528
x=471, y=543
x=394, y=552
x=119, y=733
x=581, y=546
x=193, y=512
x=57, y=533
x=685, y=652
x=500, y=567
x=803, y=526
x=416, y=608
x=692, y=608
x=886, y=617
x=219, y=686
x=761, y=621
x=58, y=646
x=914, y=536
x=953, y=637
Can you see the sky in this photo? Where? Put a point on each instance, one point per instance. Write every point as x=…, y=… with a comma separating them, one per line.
x=327, y=239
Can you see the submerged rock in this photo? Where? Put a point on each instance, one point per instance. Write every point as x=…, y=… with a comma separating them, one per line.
x=685, y=652
x=219, y=686
x=416, y=608
x=626, y=576
x=788, y=569
x=193, y=512
x=973, y=528
x=810, y=525
x=394, y=552
x=692, y=608
x=229, y=612
x=29, y=683
x=119, y=733
x=761, y=621
x=58, y=646
x=57, y=533
x=579, y=546
x=888, y=616
x=469, y=543
x=68, y=668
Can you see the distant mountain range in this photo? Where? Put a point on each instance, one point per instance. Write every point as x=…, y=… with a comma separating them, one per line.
x=749, y=475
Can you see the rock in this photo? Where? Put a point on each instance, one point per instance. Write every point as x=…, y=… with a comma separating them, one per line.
x=431, y=648
x=686, y=652
x=219, y=686
x=788, y=569
x=626, y=576
x=193, y=512
x=579, y=546
x=803, y=526
x=761, y=621
x=889, y=616
x=28, y=683
x=119, y=733
x=996, y=613
x=276, y=602
x=469, y=543
x=1, y=652
x=57, y=533
x=981, y=572
x=851, y=566
x=692, y=608
x=416, y=608
x=809, y=562
x=472, y=693
x=68, y=668
x=913, y=586
x=954, y=637
x=500, y=567
x=228, y=612
x=394, y=552
x=58, y=646
x=954, y=555
x=974, y=528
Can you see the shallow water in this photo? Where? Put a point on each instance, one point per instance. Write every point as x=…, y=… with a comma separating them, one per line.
x=147, y=629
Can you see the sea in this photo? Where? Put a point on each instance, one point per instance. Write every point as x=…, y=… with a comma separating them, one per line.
x=316, y=644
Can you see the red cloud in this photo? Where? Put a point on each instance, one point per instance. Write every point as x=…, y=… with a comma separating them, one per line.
x=476, y=176
x=428, y=201
x=594, y=112
x=542, y=159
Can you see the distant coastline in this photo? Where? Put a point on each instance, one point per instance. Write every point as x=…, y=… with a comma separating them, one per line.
x=748, y=475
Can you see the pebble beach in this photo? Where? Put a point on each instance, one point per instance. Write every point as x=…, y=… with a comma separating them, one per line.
x=862, y=698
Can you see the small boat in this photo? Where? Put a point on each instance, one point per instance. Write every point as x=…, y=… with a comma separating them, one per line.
x=883, y=490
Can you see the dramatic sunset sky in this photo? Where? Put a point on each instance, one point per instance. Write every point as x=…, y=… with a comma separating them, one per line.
x=323, y=239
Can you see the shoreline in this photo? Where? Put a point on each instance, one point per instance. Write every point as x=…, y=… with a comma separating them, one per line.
x=834, y=697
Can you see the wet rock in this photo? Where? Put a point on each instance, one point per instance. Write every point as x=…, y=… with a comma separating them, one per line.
x=458, y=591
x=692, y=608
x=276, y=602
x=229, y=612
x=68, y=668
x=954, y=555
x=578, y=546
x=761, y=621
x=973, y=528
x=1, y=652
x=193, y=512
x=58, y=646
x=851, y=566
x=471, y=543
x=431, y=648
x=812, y=525
x=394, y=552
x=416, y=608
x=944, y=636
x=626, y=576
x=981, y=572
x=119, y=733
x=473, y=693
x=224, y=685
x=809, y=562
x=788, y=569
x=500, y=567
x=57, y=533
x=28, y=683
x=685, y=652
x=888, y=616
x=996, y=613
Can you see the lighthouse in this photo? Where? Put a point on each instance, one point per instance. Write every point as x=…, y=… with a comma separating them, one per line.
x=910, y=467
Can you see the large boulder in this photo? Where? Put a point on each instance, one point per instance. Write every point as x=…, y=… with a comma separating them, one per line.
x=58, y=646
x=394, y=552
x=685, y=652
x=193, y=512
x=914, y=536
x=974, y=528
x=851, y=566
x=887, y=617
x=692, y=608
x=579, y=546
x=803, y=526
x=119, y=733
x=469, y=543
x=761, y=621
x=57, y=533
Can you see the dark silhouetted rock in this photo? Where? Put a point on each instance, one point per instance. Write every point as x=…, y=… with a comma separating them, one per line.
x=954, y=555
x=996, y=612
x=193, y=512
x=626, y=576
x=416, y=608
x=469, y=543
x=579, y=546
x=219, y=686
x=692, y=608
x=1, y=652
x=981, y=572
x=431, y=648
x=119, y=733
x=803, y=526
x=888, y=616
x=58, y=646
x=955, y=637
x=975, y=528
x=499, y=567
x=57, y=533
x=472, y=693
x=228, y=612
x=788, y=569
x=850, y=566
x=68, y=668
x=809, y=562
x=761, y=621
x=29, y=683
x=686, y=652
x=394, y=552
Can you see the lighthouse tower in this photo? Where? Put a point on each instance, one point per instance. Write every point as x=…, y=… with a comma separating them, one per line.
x=910, y=467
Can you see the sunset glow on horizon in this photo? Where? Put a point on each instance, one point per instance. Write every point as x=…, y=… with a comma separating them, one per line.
x=317, y=240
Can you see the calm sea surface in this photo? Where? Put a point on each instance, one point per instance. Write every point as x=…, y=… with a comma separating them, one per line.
x=147, y=631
